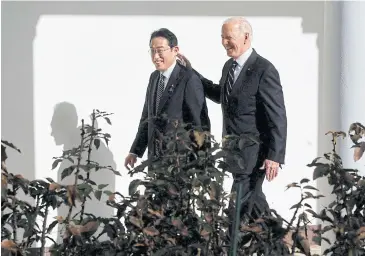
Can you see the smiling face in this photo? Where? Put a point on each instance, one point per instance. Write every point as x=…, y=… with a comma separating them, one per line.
x=162, y=54
x=234, y=40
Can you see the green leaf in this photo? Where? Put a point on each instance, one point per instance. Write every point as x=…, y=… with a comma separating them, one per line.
x=67, y=172
x=97, y=194
x=308, y=205
x=133, y=186
x=54, y=202
x=101, y=186
x=205, y=179
x=116, y=173
x=55, y=163
x=107, y=192
x=84, y=186
x=159, y=182
x=97, y=143
x=320, y=171
x=51, y=226
x=310, y=187
x=305, y=180
x=108, y=120
x=91, y=182
x=106, y=141
x=292, y=185
x=50, y=180
x=71, y=160
x=309, y=194
x=314, y=162
x=298, y=205
x=332, y=204
x=312, y=212
x=28, y=232
x=10, y=145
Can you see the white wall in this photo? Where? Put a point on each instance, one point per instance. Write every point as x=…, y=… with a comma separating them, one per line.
x=26, y=114
x=103, y=62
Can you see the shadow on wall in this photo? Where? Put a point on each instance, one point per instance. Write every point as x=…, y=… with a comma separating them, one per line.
x=19, y=24
x=65, y=132
x=19, y=21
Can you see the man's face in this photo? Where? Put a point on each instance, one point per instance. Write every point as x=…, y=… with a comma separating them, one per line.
x=235, y=42
x=162, y=54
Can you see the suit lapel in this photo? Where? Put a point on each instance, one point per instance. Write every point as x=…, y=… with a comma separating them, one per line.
x=153, y=87
x=170, y=87
x=245, y=73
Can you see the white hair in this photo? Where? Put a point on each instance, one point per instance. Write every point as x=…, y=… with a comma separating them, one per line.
x=243, y=24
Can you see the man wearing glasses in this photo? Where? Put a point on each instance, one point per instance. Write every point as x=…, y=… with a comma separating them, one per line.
x=174, y=92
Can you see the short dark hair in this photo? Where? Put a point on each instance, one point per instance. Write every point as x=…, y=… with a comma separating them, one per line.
x=167, y=34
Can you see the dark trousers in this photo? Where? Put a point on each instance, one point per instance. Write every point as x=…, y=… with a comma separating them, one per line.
x=248, y=174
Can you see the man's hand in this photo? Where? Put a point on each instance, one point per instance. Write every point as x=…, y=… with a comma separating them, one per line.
x=272, y=169
x=184, y=61
x=130, y=160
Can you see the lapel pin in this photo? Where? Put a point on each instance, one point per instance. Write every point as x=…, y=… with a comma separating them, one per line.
x=171, y=88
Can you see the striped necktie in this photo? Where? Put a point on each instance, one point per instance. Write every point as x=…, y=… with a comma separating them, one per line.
x=230, y=80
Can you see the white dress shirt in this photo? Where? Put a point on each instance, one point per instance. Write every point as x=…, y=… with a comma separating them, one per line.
x=167, y=73
x=241, y=60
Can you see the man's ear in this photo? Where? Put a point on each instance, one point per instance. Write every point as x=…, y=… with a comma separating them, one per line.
x=247, y=37
x=176, y=49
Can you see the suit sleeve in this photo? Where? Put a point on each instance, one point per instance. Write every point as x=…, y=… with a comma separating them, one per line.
x=271, y=94
x=141, y=140
x=212, y=90
x=194, y=99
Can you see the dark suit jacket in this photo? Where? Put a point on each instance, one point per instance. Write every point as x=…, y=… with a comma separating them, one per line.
x=183, y=100
x=255, y=106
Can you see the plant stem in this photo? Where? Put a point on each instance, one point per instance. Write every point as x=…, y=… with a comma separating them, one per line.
x=78, y=164
x=14, y=225
x=292, y=221
x=36, y=214
x=88, y=161
x=14, y=220
x=215, y=231
x=296, y=233
x=295, y=214
x=43, y=239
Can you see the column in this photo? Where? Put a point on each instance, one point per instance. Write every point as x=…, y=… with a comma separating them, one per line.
x=352, y=104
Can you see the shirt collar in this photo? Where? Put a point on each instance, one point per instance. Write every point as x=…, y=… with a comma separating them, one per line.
x=244, y=57
x=167, y=73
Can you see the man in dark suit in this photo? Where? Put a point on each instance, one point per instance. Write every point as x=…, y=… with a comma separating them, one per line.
x=173, y=93
x=252, y=101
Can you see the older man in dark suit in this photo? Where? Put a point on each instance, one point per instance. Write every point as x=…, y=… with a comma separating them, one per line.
x=173, y=93
x=252, y=101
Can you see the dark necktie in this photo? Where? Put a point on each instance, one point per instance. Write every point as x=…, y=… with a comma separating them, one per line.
x=160, y=90
x=230, y=80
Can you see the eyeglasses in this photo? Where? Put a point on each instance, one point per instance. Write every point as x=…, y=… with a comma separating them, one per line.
x=158, y=51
